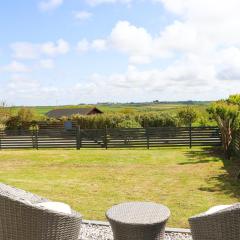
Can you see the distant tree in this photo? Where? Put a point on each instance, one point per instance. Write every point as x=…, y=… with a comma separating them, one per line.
x=226, y=114
x=187, y=115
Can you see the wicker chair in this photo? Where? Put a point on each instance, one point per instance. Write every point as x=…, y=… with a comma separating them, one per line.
x=21, y=220
x=221, y=225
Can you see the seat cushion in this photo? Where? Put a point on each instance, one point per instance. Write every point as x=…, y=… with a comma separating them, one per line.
x=217, y=209
x=55, y=206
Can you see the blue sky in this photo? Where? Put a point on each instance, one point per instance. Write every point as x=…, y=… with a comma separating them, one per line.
x=74, y=51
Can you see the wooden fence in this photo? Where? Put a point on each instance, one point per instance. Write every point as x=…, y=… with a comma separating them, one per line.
x=236, y=143
x=111, y=138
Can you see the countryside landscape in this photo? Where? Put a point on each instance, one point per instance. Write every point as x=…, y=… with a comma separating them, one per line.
x=119, y=120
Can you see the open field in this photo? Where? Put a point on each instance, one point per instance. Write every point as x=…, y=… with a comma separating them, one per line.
x=138, y=107
x=188, y=181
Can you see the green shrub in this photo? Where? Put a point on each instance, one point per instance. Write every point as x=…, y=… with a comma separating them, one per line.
x=226, y=114
x=131, y=123
x=23, y=119
x=187, y=116
x=153, y=119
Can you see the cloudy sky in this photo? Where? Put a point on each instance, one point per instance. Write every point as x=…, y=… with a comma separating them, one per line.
x=74, y=51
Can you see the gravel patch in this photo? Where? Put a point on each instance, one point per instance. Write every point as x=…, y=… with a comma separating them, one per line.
x=99, y=232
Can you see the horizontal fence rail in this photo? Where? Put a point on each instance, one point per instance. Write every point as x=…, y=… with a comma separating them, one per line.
x=111, y=138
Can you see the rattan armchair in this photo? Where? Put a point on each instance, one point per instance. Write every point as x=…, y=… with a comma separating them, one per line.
x=20, y=219
x=221, y=225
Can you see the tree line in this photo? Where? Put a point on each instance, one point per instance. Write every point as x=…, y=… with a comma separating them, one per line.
x=26, y=118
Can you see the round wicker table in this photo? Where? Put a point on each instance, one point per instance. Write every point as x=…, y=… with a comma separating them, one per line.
x=138, y=221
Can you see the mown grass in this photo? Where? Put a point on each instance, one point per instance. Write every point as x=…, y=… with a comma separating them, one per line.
x=187, y=181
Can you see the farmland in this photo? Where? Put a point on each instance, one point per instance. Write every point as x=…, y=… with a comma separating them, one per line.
x=128, y=107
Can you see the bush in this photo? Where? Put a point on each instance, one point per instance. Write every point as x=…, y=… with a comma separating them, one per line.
x=129, y=124
x=117, y=120
x=187, y=116
x=226, y=114
x=23, y=119
x=2, y=127
x=100, y=121
x=5, y=114
x=153, y=119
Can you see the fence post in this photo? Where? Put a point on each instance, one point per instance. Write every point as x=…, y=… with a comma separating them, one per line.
x=190, y=136
x=1, y=134
x=147, y=135
x=78, y=137
x=36, y=139
x=105, y=138
x=33, y=138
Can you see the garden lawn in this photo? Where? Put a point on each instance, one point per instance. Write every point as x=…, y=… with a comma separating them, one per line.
x=91, y=181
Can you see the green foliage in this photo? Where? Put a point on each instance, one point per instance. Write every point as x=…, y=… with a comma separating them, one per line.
x=127, y=111
x=23, y=119
x=154, y=119
x=26, y=115
x=117, y=120
x=234, y=99
x=5, y=114
x=203, y=121
x=100, y=120
x=226, y=115
x=131, y=123
x=146, y=114
x=187, y=115
x=2, y=126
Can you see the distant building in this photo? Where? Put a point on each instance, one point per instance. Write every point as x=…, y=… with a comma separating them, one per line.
x=68, y=112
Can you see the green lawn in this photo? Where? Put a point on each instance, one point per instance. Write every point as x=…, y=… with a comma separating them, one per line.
x=187, y=181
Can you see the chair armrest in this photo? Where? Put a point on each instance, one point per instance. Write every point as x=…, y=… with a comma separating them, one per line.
x=23, y=221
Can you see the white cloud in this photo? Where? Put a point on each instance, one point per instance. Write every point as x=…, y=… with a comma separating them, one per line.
x=228, y=64
x=98, y=45
x=83, y=45
x=185, y=79
x=201, y=45
x=130, y=39
x=22, y=86
x=82, y=15
x=98, y=2
x=15, y=66
x=46, y=63
x=133, y=41
x=53, y=49
x=27, y=50
x=47, y=5
x=204, y=36
x=215, y=20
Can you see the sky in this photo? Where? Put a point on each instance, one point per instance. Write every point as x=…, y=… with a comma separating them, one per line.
x=57, y=52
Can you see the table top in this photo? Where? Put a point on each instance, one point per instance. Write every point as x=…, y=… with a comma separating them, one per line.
x=139, y=213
